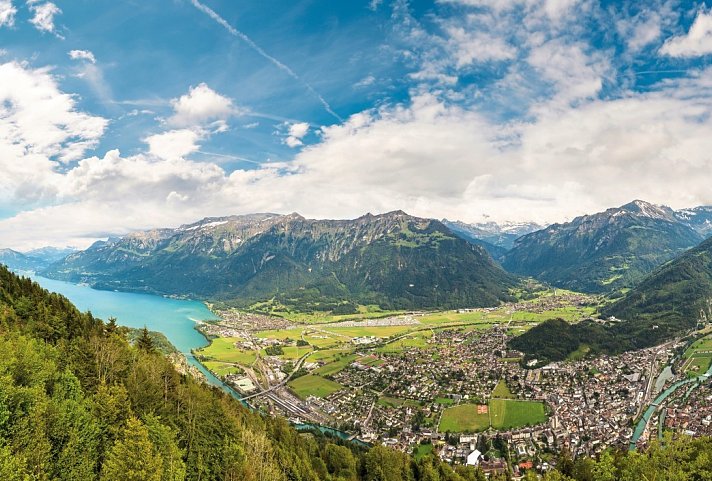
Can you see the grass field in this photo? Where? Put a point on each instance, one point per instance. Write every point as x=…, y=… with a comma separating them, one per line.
x=419, y=340
x=699, y=357
x=328, y=355
x=312, y=385
x=501, y=391
x=395, y=402
x=463, y=419
x=221, y=368
x=422, y=450
x=508, y=414
x=699, y=363
x=336, y=366
x=223, y=349
x=503, y=414
x=376, y=331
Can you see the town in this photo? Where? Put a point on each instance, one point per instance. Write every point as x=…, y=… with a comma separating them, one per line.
x=447, y=383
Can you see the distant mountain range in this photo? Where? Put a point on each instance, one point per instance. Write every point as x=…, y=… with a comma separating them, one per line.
x=496, y=238
x=607, y=251
x=34, y=260
x=393, y=260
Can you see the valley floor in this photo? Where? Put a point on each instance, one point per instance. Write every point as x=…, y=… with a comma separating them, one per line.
x=448, y=378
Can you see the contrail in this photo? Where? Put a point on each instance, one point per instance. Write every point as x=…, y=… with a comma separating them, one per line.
x=235, y=32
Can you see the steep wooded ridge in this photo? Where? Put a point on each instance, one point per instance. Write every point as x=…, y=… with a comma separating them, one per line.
x=393, y=260
x=603, y=252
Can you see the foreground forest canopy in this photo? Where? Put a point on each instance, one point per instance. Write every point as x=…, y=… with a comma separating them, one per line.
x=77, y=402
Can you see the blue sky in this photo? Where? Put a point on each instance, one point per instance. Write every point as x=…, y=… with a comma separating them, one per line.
x=126, y=115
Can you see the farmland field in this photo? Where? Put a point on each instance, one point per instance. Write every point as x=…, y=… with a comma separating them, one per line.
x=223, y=349
x=336, y=366
x=312, y=385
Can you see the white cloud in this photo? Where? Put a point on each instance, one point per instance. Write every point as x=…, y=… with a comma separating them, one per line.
x=201, y=105
x=43, y=15
x=7, y=13
x=82, y=55
x=697, y=42
x=174, y=144
x=296, y=133
x=575, y=73
x=470, y=47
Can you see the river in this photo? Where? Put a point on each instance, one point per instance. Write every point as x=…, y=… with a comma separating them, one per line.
x=643, y=423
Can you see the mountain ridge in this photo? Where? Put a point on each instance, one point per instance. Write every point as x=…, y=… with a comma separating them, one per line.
x=602, y=252
x=392, y=259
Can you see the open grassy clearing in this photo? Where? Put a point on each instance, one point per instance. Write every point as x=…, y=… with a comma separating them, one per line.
x=396, y=402
x=464, y=419
x=698, y=364
x=508, y=414
x=312, y=385
x=291, y=352
x=328, y=355
x=704, y=344
x=419, y=340
x=423, y=450
x=502, y=414
x=317, y=317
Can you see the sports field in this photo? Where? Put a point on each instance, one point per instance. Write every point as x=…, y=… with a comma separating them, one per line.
x=465, y=418
x=312, y=385
x=508, y=414
x=501, y=414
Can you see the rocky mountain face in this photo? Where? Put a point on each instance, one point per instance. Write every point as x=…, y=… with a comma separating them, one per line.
x=603, y=252
x=698, y=218
x=394, y=260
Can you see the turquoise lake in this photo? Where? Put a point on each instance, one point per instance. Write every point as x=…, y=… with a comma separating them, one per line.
x=174, y=318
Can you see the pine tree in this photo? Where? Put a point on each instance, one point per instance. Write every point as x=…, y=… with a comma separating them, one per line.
x=133, y=457
x=145, y=341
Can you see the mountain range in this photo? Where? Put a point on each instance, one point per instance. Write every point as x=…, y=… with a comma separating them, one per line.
x=34, y=260
x=607, y=251
x=392, y=260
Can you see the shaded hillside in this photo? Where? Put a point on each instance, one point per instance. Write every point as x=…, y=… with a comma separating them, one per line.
x=602, y=252
x=394, y=260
